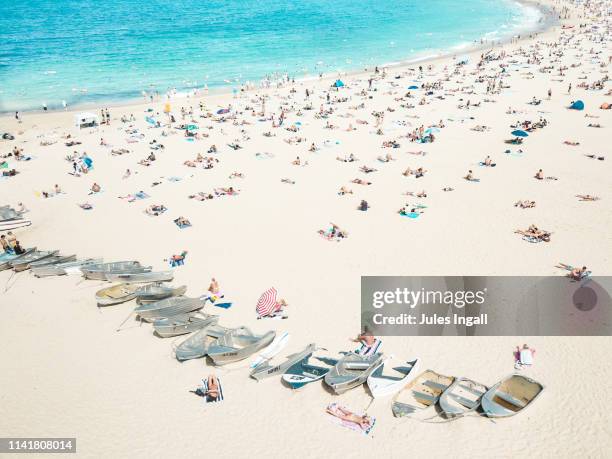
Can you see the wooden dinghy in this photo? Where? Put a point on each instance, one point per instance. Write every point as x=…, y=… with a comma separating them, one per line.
x=116, y=294
x=423, y=392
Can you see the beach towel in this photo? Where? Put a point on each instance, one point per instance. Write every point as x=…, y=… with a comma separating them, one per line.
x=223, y=305
x=335, y=408
x=410, y=214
x=366, y=350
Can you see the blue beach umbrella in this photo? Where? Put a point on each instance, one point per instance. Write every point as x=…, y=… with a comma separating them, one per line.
x=413, y=87
x=339, y=84
x=519, y=133
x=578, y=105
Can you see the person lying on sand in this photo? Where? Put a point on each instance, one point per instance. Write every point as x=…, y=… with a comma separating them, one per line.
x=587, y=197
x=289, y=181
x=572, y=143
x=344, y=190
x=385, y=159
x=365, y=422
x=525, y=204
x=334, y=233
x=367, y=169
x=536, y=233
x=182, y=222
x=226, y=190
x=156, y=209
x=361, y=182
x=420, y=194
x=236, y=175
x=600, y=158
x=448, y=188
x=347, y=159
x=189, y=163
x=575, y=273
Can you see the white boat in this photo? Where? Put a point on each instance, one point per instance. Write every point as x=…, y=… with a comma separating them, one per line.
x=196, y=345
x=387, y=379
x=280, y=341
x=267, y=369
x=169, y=307
x=116, y=294
x=510, y=396
x=305, y=372
x=462, y=396
x=351, y=371
x=100, y=271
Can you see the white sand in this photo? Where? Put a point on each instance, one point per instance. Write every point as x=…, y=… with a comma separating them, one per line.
x=66, y=372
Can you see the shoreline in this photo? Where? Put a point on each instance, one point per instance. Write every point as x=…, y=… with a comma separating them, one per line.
x=549, y=21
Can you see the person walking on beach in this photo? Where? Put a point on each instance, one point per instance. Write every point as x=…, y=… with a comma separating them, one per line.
x=569, y=89
x=549, y=94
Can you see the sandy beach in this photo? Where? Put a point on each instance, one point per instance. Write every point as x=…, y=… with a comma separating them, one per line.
x=67, y=372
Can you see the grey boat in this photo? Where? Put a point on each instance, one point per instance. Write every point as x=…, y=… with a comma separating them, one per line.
x=266, y=369
x=21, y=264
x=55, y=259
x=510, y=396
x=462, y=396
x=8, y=213
x=6, y=260
x=197, y=344
x=169, y=307
x=61, y=269
x=155, y=292
x=100, y=271
x=351, y=371
x=238, y=344
x=183, y=324
x=136, y=278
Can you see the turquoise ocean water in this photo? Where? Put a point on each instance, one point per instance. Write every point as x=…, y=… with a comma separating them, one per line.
x=90, y=51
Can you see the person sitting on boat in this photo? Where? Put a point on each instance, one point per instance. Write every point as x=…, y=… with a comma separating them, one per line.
x=18, y=249
x=5, y=245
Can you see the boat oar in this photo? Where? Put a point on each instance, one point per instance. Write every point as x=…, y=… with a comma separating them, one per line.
x=126, y=319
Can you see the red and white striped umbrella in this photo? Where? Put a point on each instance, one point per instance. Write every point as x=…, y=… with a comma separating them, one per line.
x=267, y=303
